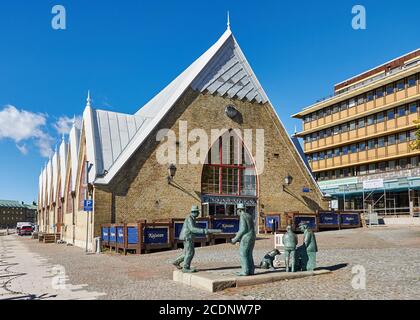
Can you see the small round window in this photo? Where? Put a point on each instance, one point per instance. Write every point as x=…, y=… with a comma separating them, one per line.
x=231, y=111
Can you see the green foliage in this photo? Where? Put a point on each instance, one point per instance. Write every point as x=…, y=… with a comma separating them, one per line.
x=415, y=145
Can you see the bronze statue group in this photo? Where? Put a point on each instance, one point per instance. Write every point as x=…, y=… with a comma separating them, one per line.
x=302, y=258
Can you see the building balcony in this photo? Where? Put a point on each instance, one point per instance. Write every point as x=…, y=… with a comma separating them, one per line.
x=367, y=108
x=387, y=127
x=386, y=153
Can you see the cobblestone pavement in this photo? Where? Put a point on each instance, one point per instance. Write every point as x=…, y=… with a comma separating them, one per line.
x=390, y=256
x=25, y=275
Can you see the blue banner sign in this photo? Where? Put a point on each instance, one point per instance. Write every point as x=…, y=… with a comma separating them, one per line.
x=88, y=205
x=200, y=224
x=272, y=222
x=310, y=221
x=132, y=235
x=105, y=234
x=226, y=225
x=120, y=235
x=328, y=219
x=350, y=219
x=112, y=234
x=156, y=235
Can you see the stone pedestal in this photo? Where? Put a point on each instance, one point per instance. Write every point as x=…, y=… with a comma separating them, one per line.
x=219, y=280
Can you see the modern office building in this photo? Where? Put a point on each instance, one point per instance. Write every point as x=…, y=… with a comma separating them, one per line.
x=358, y=141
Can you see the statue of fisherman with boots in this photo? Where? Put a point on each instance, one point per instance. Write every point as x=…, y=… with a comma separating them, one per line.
x=189, y=230
x=247, y=237
x=309, y=248
x=290, y=242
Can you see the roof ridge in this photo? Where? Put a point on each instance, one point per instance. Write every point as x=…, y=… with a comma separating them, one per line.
x=210, y=62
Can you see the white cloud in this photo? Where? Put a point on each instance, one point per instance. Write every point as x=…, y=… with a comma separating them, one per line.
x=64, y=124
x=23, y=149
x=44, y=143
x=21, y=125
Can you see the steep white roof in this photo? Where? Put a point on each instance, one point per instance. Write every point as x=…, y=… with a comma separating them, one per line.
x=116, y=130
x=55, y=170
x=49, y=182
x=40, y=190
x=107, y=136
x=44, y=187
x=230, y=74
x=63, y=166
x=74, y=140
x=221, y=70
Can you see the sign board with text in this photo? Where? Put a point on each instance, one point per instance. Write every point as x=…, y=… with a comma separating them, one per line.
x=328, y=219
x=373, y=184
x=228, y=226
x=88, y=205
x=349, y=220
x=153, y=235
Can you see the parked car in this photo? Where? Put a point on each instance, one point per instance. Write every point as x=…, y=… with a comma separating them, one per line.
x=25, y=231
x=19, y=225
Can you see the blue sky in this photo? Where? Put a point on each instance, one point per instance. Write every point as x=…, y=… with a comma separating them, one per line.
x=126, y=51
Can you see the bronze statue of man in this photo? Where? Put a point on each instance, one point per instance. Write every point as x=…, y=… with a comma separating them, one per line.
x=309, y=248
x=290, y=241
x=189, y=230
x=246, y=236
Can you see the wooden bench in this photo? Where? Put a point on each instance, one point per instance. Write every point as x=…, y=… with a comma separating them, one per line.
x=49, y=237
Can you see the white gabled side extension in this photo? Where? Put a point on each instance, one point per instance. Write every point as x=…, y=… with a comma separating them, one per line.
x=49, y=182
x=55, y=176
x=40, y=190
x=63, y=166
x=92, y=138
x=74, y=141
x=44, y=187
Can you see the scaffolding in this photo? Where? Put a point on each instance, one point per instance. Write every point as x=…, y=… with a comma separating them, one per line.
x=381, y=200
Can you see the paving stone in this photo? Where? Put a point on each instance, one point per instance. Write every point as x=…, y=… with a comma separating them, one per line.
x=388, y=254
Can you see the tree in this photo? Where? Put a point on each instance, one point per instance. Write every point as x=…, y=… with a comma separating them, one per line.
x=415, y=145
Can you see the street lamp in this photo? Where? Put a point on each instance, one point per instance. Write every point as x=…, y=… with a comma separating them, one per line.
x=171, y=173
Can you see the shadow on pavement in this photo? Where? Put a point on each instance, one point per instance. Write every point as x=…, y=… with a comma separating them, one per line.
x=334, y=268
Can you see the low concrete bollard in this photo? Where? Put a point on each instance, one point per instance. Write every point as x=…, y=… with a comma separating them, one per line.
x=97, y=245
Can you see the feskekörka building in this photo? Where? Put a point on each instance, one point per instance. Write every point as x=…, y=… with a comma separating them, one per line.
x=121, y=161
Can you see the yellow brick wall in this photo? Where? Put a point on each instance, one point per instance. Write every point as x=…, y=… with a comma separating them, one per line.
x=141, y=189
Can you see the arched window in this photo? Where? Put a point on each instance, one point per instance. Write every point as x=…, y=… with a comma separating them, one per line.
x=229, y=169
